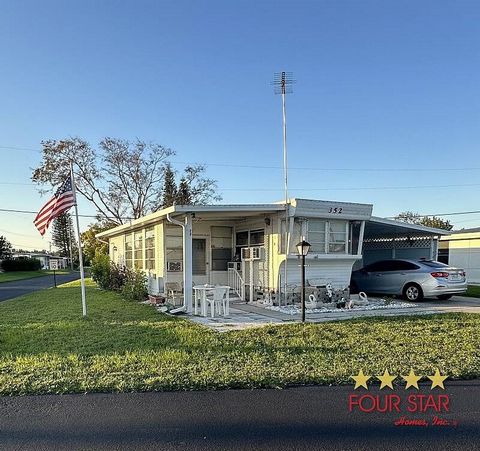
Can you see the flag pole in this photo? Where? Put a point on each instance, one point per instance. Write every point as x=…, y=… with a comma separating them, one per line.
x=80, y=256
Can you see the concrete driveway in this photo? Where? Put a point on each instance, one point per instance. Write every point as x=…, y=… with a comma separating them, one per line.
x=9, y=290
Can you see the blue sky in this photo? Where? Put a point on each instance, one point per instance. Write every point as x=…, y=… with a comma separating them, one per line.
x=381, y=85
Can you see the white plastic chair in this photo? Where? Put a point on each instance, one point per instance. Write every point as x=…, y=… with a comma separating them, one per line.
x=219, y=302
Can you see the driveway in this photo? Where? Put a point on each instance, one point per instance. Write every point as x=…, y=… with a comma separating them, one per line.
x=304, y=418
x=17, y=288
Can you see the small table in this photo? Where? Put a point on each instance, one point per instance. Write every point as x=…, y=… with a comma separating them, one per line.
x=201, y=295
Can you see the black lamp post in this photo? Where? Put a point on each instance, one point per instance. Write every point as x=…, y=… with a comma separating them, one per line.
x=303, y=247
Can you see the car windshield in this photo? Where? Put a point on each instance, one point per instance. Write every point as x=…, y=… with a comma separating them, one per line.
x=433, y=264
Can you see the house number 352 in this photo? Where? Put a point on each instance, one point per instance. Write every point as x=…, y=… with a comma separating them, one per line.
x=335, y=210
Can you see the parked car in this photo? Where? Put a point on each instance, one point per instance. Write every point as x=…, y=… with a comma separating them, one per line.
x=414, y=280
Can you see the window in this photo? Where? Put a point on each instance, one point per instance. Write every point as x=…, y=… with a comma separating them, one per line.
x=295, y=237
x=241, y=240
x=337, y=238
x=354, y=237
x=198, y=256
x=221, y=247
x=174, y=248
x=377, y=266
x=257, y=237
x=433, y=264
x=128, y=250
x=150, y=248
x=138, y=248
x=317, y=235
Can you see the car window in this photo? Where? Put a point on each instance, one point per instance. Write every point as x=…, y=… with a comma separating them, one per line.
x=377, y=266
x=433, y=264
x=390, y=265
x=406, y=266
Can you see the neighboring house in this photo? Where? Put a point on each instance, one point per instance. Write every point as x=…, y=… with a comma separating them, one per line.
x=44, y=259
x=244, y=245
x=461, y=248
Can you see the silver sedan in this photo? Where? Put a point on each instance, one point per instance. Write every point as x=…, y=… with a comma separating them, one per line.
x=414, y=280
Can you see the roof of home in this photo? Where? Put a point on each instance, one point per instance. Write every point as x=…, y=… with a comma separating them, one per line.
x=471, y=230
x=299, y=207
x=226, y=210
x=382, y=227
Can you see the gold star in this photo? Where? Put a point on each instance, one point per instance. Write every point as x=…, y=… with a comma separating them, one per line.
x=437, y=380
x=360, y=380
x=386, y=380
x=412, y=380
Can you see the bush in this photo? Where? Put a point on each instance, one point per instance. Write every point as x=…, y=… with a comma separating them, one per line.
x=118, y=276
x=23, y=264
x=110, y=276
x=100, y=270
x=135, y=288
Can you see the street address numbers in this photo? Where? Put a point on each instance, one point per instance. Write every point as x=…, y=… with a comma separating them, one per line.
x=335, y=210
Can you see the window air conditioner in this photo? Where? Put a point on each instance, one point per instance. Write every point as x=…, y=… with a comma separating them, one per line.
x=174, y=266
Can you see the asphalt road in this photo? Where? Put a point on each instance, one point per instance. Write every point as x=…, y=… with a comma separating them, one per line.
x=313, y=418
x=17, y=288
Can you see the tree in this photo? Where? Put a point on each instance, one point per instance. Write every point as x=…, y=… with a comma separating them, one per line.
x=63, y=234
x=436, y=223
x=184, y=196
x=202, y=189
x=91, y=244
x=123, y=180
x=5, y=248
x=169, y=193
x=415, y=218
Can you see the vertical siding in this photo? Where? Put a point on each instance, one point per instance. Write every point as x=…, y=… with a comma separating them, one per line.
x=321, y=272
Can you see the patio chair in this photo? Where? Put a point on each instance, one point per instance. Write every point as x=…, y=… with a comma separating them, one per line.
x=218, y=303
x=173, y=289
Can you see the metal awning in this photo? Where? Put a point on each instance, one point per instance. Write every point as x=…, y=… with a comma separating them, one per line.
x=378, y=228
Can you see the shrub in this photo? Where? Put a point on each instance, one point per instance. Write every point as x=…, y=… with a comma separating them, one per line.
x=100, y=270
x=135, y=288
x=118, y=276
x=23, y=264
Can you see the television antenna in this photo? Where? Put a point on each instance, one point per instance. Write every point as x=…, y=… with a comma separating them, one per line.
x=282, y=83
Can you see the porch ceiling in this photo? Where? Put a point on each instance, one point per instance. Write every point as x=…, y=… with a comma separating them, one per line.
x=377, y=228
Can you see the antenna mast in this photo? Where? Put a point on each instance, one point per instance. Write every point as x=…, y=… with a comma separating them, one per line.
x=282, y=82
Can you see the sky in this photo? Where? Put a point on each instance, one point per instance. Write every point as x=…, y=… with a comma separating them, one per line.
x=385, y=108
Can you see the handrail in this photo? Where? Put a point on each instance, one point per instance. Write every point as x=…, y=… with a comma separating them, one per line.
x=236, y=282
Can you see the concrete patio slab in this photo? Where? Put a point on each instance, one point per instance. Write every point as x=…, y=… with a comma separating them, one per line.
x=244, y=315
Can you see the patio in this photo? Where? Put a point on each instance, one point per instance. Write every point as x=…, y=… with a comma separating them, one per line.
x=244, y=315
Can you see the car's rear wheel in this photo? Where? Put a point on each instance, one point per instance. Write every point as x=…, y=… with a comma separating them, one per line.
x=444, y=297
x=413, y=292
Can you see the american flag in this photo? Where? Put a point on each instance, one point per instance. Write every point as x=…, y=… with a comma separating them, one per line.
x=59, y=203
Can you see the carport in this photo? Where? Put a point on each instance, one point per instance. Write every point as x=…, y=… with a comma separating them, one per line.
x=387, y=239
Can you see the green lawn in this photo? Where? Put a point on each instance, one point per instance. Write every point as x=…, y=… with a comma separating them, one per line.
x=46, y=347
x=473, y=291
x=20, y=275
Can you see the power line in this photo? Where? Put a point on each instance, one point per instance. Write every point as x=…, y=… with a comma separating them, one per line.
x=298, y=168
x=352, y=188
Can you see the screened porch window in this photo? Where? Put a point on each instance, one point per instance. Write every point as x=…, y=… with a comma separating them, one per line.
x=221, y=247
x=150, y=248
x=138, y=247
x=174, y=249
x=128, y=250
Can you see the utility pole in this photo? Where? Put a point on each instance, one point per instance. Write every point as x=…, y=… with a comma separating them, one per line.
x=282, y=82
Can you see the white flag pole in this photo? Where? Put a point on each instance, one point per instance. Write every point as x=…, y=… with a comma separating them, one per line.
x=80, y=255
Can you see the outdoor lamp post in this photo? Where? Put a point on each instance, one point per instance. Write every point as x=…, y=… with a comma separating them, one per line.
x=303, y=247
